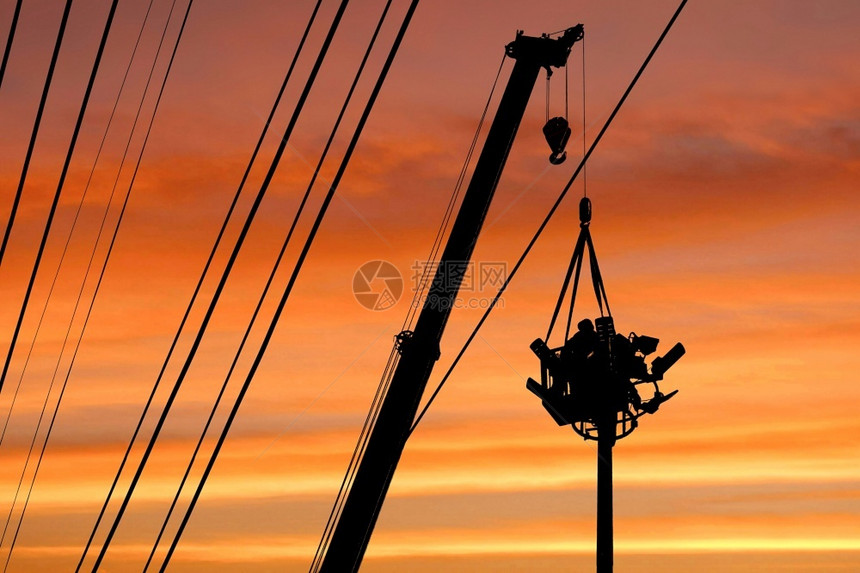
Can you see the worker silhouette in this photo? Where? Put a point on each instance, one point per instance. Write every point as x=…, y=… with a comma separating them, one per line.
x=600, y=374
x=579, y=359
x=577, y=350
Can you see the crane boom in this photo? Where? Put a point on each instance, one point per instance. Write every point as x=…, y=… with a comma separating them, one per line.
x=421, y=351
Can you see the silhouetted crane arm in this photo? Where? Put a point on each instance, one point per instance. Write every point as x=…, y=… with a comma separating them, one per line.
x=419, y=354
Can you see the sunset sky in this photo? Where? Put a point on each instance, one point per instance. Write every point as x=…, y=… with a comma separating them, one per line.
x=726, y=216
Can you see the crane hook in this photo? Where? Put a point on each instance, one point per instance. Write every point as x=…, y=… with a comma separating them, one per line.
x=557, y=132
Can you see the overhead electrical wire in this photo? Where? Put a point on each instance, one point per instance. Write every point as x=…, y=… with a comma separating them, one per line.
x=137, y=165
x=79, y=296
x=549, y=216
x=71, y=232
x=199, y=283
x=63, y=173
x=12, y=27
x=250, y=217
x=272, y=274
x=30, y=147
x=52, y=212
x=296, y=270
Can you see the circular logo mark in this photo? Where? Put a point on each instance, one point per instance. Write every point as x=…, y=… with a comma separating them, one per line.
x=377, y=285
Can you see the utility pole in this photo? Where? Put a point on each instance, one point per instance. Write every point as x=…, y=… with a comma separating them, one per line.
x=420, y=349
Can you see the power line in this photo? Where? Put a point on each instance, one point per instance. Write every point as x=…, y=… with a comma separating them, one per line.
x=128, y=191
x=198, y=287
x=71, y=231
x=271, y=278
x=9, y=39
x=549, y=216
x=301, y=259
x=27, y=158
x=63, y=173
x=74, y=312
x=52, y=212
x=250, y=217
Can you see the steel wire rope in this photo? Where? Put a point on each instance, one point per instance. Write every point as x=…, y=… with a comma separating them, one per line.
x=566, y=90
x=296, y=269
x=243, y=233
x=385, y=380
x=578, y=247
x=12, y=27
x=549, y=216
x=24, y=170
x=584, y=168
x=357, y=454
x=200, y=281
x=576, y=257
x=64, y=172
x=69, y=237
x=124, y=205
x=269, y=281
x=424, y=281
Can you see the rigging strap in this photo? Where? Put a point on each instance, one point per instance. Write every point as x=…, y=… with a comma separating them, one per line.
x=574, y=270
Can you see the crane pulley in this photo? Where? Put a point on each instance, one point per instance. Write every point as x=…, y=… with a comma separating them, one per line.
x=557, y=130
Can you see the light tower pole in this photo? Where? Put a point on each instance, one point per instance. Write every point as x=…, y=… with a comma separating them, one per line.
x=605, y=543
x=593, y=382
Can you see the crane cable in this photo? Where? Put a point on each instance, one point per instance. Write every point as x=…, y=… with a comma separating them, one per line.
x=69, y=237
x=64, y=172
x=584, y=166
x=9, y=39
x=30, y=147
x=196, y=344
x=199, y=283
x=549, y=216
x=427, y=272
x=385, y=379
x=357, y=454
x=301, y=259
x=270, y=280
x=548, y=90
